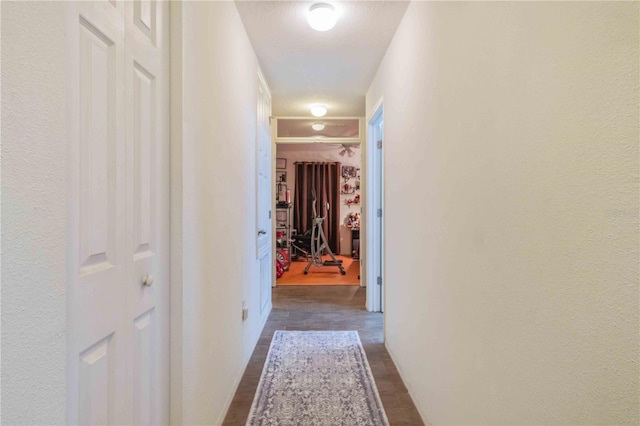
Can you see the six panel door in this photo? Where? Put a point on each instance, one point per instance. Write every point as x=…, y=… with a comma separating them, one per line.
x=118, y=297
x=263, y=211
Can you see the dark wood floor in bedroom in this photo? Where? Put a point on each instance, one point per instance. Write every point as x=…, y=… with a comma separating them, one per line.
x=327, y=308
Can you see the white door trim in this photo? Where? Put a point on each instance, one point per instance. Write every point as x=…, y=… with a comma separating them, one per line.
x=374, y=243
x=274, y=145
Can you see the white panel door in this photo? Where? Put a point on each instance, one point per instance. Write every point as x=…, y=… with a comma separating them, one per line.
x=263, y=214
x=98, y=343
x=117, y=362
x=147, y=176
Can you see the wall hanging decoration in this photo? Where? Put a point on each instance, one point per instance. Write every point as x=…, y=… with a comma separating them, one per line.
x=282, y=192
x=349, y=172
x=281, y=163
x=353, y=201
x=347, y=188
x=352, y=221
x=281, y=176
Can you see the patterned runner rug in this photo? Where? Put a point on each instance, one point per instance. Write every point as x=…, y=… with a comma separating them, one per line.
x=316, y=378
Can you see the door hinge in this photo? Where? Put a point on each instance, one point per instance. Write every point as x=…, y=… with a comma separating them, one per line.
x=379, y=280
x=380, y=144
x=269, y=214
x=379, y=213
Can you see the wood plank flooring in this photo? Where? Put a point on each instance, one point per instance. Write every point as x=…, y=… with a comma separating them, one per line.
x=327, y=308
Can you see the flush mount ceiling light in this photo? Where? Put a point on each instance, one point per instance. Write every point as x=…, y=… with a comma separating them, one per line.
x=322, y=17
x=318, y=110
x=317, y=126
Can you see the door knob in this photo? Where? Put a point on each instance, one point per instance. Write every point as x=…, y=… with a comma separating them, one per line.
x=262, y=232
x=147, y=280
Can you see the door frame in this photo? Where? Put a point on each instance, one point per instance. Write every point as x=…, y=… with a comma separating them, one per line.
x=274, y=149
x=374, y=192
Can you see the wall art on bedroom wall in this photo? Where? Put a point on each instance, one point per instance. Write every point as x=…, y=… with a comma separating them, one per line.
x=282, y=192
x=349, y=172
x=347, y=188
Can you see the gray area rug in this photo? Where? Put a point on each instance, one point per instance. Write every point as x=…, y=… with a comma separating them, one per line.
x=316, y=378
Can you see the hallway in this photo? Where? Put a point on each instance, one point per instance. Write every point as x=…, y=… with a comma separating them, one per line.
x=327, y=308
x=139, y=163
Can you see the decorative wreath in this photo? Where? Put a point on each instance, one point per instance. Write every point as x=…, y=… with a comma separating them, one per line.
x=355, y=200
x=352, y=221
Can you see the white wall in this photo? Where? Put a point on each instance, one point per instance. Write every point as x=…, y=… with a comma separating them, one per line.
x=320, y=152
x=214, y=93
x=33, y=213
x=512, y=269
x=177, y=254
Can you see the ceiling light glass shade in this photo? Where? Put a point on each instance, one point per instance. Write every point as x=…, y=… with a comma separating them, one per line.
x=318, y=110
x=322, y=17
x=317, y=126
x=341, y=153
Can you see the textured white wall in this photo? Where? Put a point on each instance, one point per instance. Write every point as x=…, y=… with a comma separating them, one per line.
x=217, y=149
x=512, y=268
x=320, y=152
x=33, y=213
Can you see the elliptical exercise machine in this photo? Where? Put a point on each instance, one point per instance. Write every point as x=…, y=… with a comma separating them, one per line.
x=319, y=242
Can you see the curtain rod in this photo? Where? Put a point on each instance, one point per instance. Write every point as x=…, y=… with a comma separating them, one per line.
x=316, y=162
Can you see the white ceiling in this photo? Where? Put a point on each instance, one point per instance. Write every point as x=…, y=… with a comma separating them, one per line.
x=303, y=66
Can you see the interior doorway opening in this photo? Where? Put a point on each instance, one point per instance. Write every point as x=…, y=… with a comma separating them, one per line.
x=329, y=174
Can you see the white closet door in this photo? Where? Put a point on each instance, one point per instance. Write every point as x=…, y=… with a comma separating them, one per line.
x=147, y=177
x=117, y=364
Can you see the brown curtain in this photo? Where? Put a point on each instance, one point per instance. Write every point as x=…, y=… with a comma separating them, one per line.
x=325, y=179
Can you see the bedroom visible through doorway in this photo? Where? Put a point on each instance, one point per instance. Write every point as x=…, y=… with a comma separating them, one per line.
x=328, y=174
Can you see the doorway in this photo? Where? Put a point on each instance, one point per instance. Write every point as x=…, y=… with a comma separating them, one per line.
x=374, y=211
x=332, y=171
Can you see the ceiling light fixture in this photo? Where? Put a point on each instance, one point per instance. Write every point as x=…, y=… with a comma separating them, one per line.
x=317, y=126
x=322, y=17
x=346, y=149
x=318, y=110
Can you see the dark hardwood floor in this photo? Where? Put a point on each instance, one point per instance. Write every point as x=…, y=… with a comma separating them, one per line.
x=327, y=308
